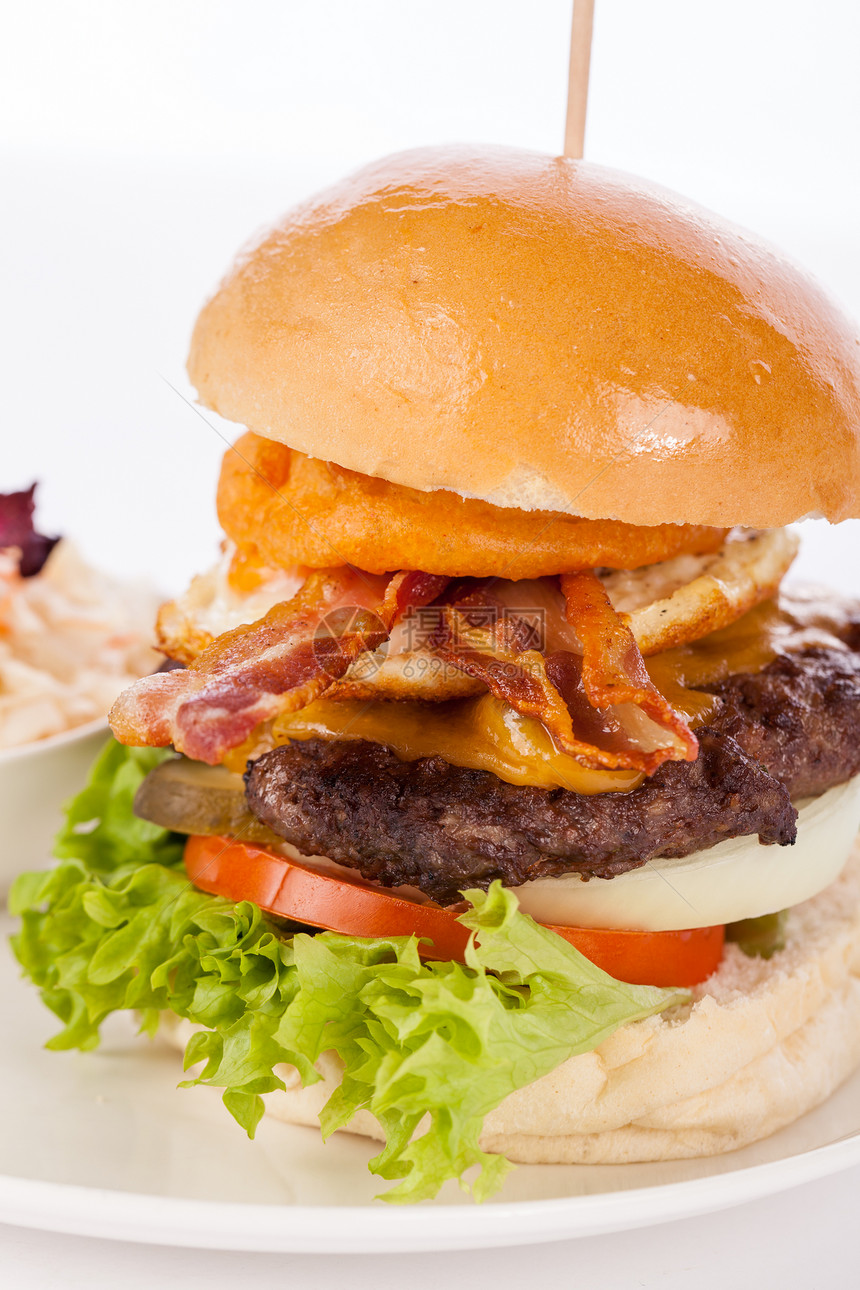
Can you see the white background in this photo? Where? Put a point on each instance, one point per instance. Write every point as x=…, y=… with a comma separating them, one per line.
x=140, y=145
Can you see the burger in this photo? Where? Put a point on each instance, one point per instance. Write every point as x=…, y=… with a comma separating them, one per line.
x=496, y=799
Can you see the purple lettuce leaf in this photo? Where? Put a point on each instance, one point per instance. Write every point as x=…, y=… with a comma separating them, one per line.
x=17, y=530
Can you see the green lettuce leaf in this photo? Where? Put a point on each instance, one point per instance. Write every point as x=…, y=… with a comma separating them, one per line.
x=116, y=925
x=101, y=828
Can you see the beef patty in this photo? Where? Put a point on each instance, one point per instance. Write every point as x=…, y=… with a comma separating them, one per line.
x=789, y=731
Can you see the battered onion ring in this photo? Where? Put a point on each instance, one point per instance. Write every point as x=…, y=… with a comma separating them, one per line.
x=282, y=508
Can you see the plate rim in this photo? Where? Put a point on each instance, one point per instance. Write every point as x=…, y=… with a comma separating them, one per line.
x=50, y=743
x=185, y=1222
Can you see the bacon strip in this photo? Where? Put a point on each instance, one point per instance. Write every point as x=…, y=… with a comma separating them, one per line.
x=600, y=706
x=279, y=664
x=613, y=670
x=523, y=679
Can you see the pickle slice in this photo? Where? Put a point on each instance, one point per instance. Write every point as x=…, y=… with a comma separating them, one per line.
x=759, y=938
x=188, y=797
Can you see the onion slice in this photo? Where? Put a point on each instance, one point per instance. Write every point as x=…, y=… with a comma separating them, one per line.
x=736, y=879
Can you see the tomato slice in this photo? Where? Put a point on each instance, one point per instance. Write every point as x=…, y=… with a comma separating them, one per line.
x=242, y=871
x=650, y=958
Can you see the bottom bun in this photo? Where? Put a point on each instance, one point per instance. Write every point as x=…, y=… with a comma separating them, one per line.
x=761, y=1043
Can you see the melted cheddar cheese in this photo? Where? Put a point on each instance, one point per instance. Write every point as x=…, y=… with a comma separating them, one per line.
x=484, y=733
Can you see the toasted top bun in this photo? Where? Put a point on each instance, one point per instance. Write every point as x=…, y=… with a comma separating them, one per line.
x=540, y=333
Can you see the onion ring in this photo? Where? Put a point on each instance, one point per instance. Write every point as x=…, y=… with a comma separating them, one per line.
x=283, y=509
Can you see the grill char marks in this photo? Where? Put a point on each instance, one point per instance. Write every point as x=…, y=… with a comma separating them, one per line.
x=443, y=828
x=800, y=717
x=791, y=730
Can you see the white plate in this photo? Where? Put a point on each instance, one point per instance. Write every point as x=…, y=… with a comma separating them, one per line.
x=102, y=1144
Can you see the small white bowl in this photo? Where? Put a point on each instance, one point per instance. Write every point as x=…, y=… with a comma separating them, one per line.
x=36, y=780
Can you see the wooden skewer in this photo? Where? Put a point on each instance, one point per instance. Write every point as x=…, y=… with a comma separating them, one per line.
x=581, y=28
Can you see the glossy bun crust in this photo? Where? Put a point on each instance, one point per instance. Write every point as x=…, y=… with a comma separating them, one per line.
x=541, y=333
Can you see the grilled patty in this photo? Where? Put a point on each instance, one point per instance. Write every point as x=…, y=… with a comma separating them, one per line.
x=789, y=731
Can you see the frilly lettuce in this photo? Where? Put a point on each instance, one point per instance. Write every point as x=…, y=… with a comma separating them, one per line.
x=116, y=925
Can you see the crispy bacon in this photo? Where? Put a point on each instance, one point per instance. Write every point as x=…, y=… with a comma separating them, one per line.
x=585, y=680
x=614, y=674
x=599, y=704
x=278, y=664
